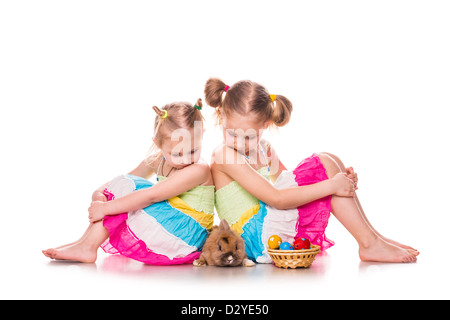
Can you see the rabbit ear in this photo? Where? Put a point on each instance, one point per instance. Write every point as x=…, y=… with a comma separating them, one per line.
x=224, y=225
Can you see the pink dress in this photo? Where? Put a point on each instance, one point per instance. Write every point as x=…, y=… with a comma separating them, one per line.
x=307, y=221
x=313, y=217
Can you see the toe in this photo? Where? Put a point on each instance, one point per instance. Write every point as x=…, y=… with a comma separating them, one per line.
x=46, y=253
x=412, y=258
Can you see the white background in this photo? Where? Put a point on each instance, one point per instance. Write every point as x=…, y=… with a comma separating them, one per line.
x=369, y=81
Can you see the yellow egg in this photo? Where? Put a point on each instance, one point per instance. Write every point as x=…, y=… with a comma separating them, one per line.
x=274, y=242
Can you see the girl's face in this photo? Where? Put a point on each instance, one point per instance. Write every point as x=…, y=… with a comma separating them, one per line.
x=243, y=134
x=182, y=147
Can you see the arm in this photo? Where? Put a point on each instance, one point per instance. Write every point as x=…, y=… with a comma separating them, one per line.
x=262, y=189
x=183, y=180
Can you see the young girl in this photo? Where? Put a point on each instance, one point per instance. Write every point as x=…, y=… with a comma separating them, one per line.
x=300, y=202
x=165, y=223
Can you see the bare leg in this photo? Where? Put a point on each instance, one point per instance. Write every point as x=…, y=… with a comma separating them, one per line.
x=84, y=250
x=72, y=243
x=341, y=167
x=411, y=249
x=85, y=233
x=372, y=247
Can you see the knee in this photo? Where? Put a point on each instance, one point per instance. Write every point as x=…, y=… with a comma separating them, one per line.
x=331, y=163
x=332, y=156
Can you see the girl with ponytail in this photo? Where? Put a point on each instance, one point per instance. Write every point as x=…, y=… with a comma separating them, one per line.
x=161, y=224
x=299, y=203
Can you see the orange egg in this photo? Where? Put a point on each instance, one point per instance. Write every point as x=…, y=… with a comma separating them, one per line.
x=274, y=242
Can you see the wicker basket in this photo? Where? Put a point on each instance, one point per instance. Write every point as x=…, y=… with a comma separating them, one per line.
x=294, y=258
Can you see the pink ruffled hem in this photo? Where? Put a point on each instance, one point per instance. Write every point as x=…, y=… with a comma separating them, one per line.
x=122, y=240
x=313, y=217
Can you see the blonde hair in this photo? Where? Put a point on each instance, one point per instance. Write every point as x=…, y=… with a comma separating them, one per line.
x=173, y=116
x=245, y=97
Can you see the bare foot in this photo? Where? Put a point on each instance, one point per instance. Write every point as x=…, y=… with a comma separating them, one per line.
x=382, y=251
x=398, y=244
x=77, y=252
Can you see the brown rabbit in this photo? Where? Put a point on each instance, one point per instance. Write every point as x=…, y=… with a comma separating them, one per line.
x=223, y=248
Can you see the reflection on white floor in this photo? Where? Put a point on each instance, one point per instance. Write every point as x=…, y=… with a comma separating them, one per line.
x=25, y=273
x=338, y=274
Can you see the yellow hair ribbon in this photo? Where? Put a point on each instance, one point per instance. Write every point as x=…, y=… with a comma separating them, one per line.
x=273, y=97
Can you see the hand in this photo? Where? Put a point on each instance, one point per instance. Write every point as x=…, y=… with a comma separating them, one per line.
x=343, y=185
x=352, y=175
x=97, y=211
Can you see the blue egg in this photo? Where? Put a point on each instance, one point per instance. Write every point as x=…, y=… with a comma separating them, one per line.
x=286, y=246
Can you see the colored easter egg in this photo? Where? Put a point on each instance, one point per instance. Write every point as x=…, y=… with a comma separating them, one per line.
x=274, y=242
x=286, y=246
x=302, y=243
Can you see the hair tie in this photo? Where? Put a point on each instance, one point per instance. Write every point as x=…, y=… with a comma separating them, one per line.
x=165, y=114
x=226, y=88
x=273, y=97
x=198, y=105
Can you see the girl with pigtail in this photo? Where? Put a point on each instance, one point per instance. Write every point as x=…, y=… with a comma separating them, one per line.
x=165, y=223
x=299, y=203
